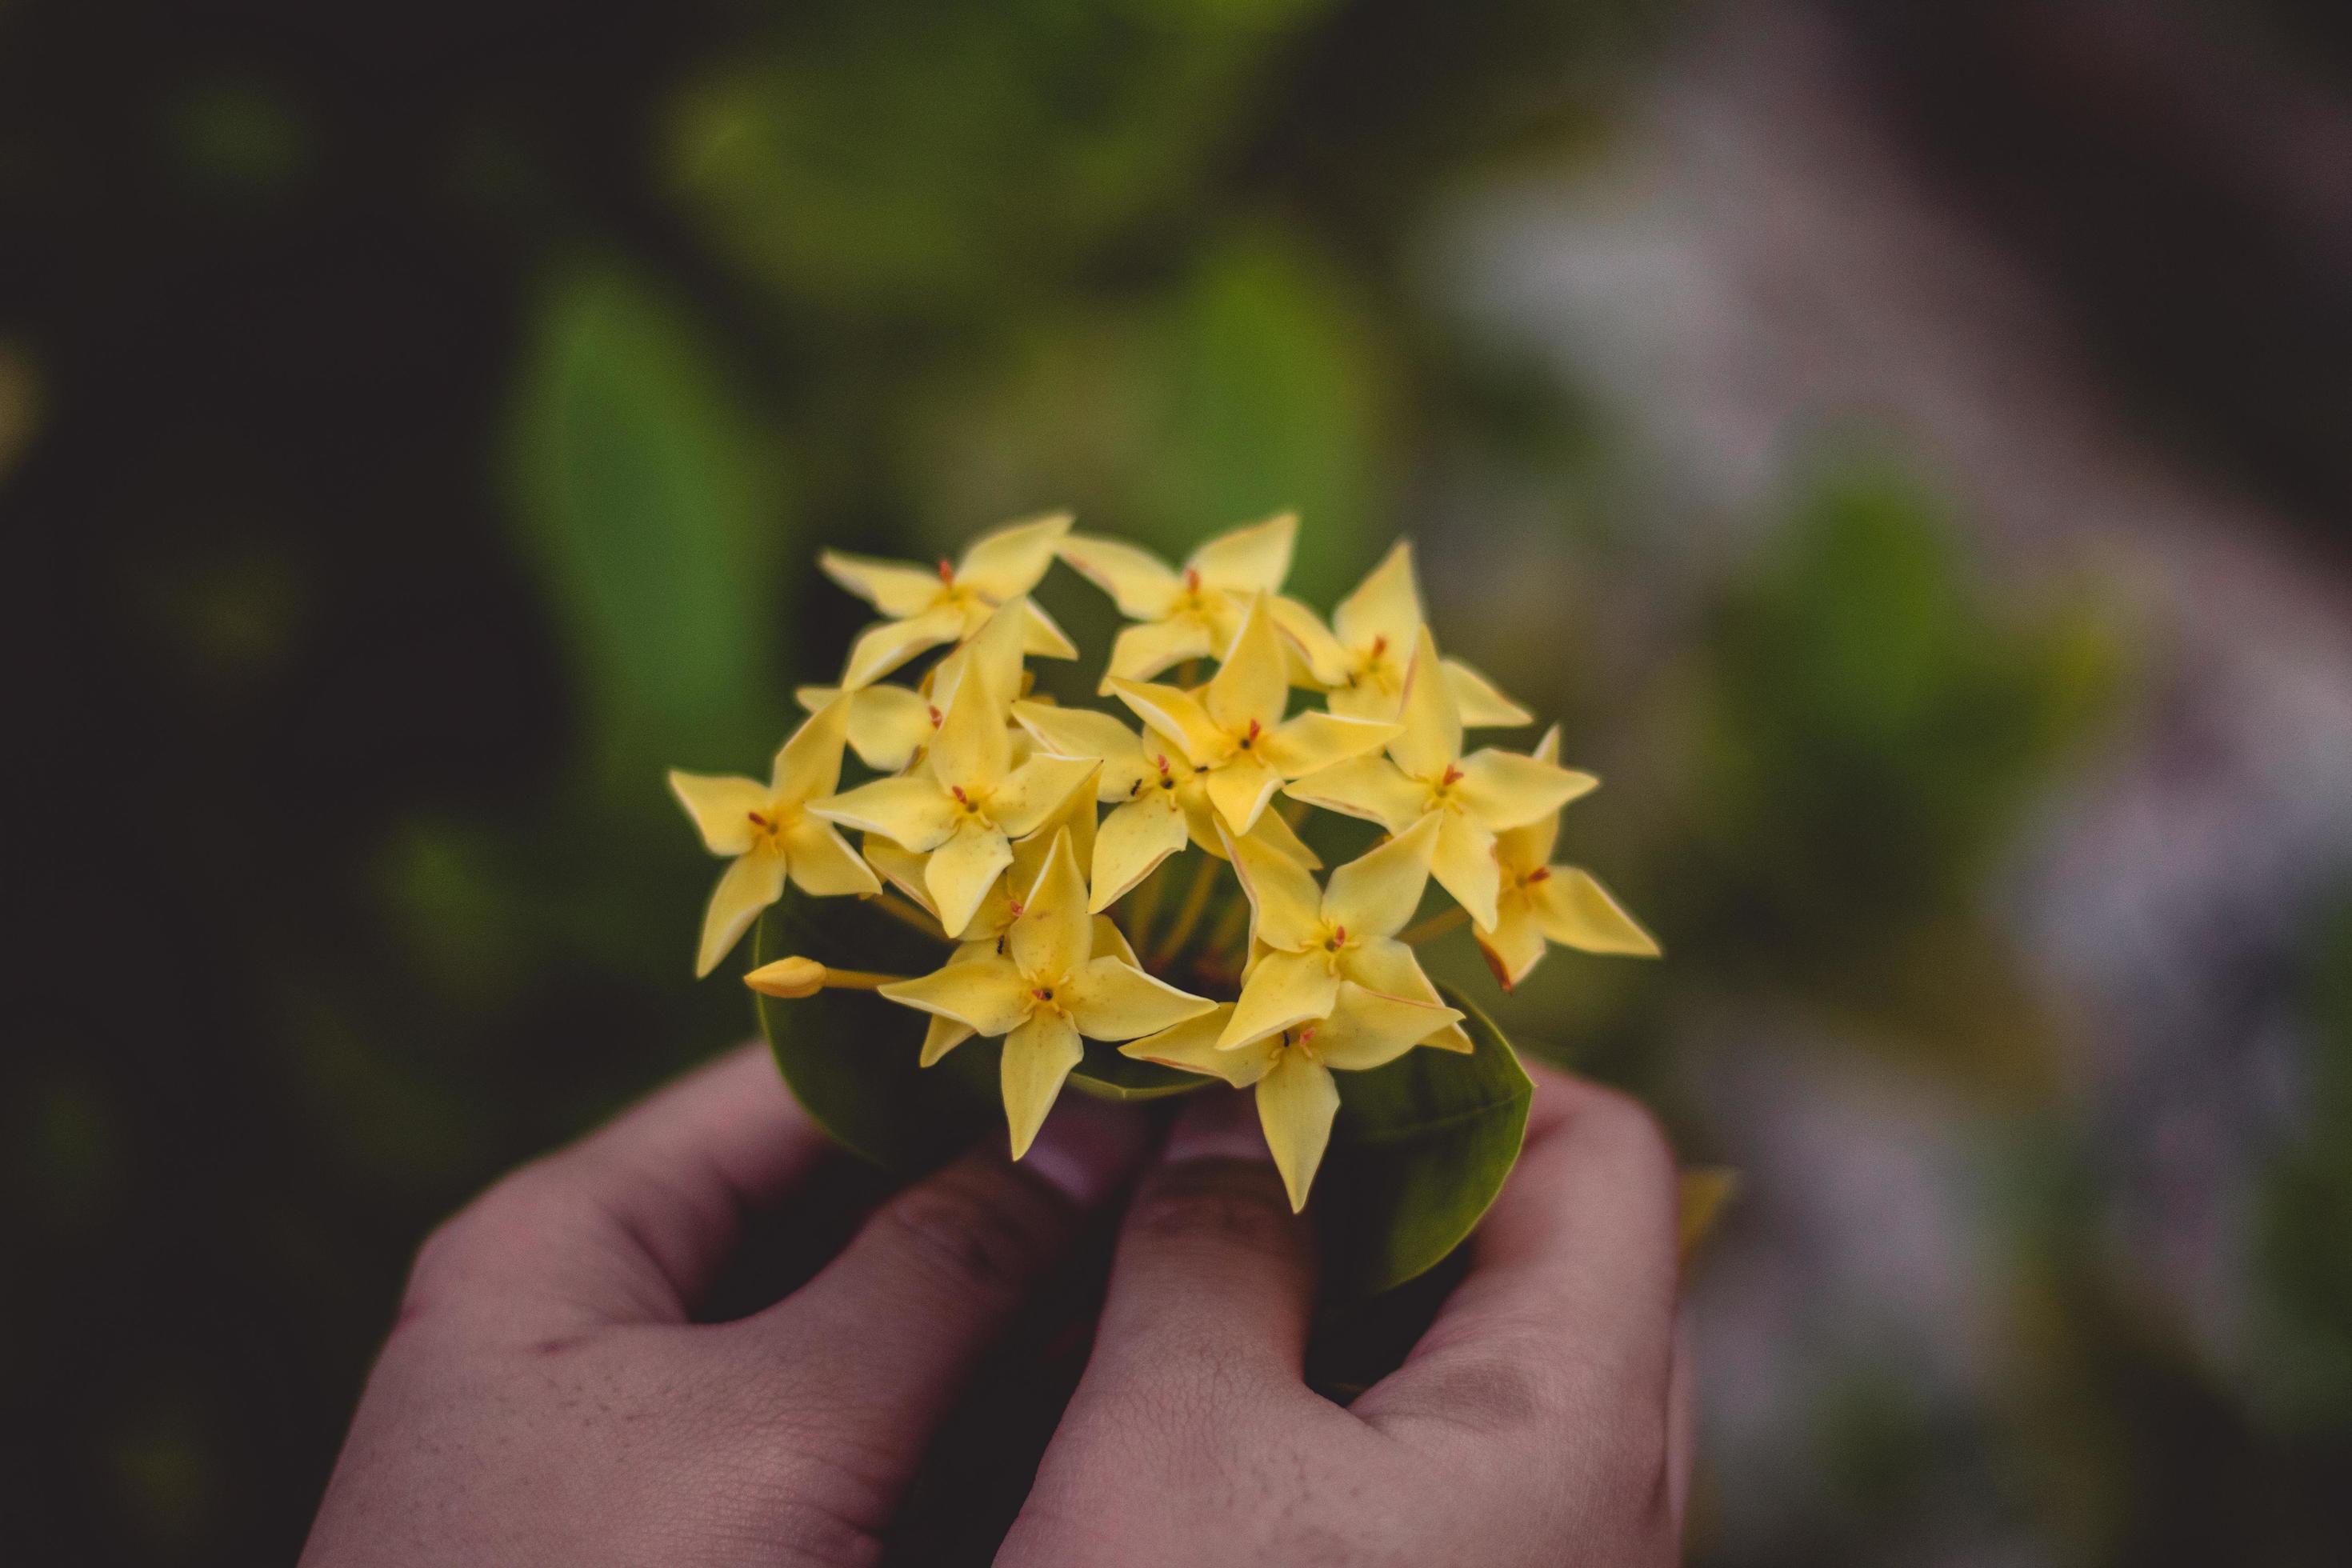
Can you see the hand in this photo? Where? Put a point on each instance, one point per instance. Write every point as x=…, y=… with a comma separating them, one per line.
x=1543, y=1418
x=544, y=1398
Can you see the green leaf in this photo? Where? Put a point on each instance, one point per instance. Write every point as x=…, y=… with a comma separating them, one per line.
x=850, y=1057
x=1420, y=1150
x=651, y=506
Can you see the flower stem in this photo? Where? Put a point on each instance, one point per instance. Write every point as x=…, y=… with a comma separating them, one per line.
x=1435, y=926
x=905, y=914
x=1196, y=900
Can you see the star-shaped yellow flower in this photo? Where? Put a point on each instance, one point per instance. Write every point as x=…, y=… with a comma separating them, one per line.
x=1234, y=732
x=1362, y=657
x=1046, y=990
x=922, y=608
x=1425, y=775
x=1157, y=798
x=1192, y=613
x=1310, y=941
x=1542, y=902
x=966, y=803
x=889, y=726
x=771, y=833
x=1296, y=1096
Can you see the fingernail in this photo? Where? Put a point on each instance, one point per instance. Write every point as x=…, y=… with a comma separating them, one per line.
x=1088, y=1150
x=1216, y=1126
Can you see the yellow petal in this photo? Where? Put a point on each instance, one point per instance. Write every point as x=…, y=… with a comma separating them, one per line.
x=1008, y=563
x=1041, y=635
x=1192, y=1046
x=1480, y=704
x=1367, y=1029
x=1515, y=943
x=1178, y=714
x=885, y=646
x=1037, y=789
x=1465, y=863
x=1082, y=732
x=1575, y=911
x=1385, y=605
x=1053, y=935
x=808, y=766
x=1144, y=587
x=1375, y=894
x=1285, y=906
x=888, y=724
x=721, y=805
x=1131, y=843
x=1249, y=559
x=750, y=885
x=1431, y=740
x=1143, y=651
x=961, y=870
x=1502, y=789
x=1240, y=789
x=1111, y=942
x=1295, y=1102
x=894, y=587
x=1253, y=686
x=985, y=994
x=1074, y=817
x=822, y=863
x=1313, y=742
x=1274, y=831
x=1286, y=989
x=1369, y=787
x=941, y=1036
x=1037, y=1057
x=1326, y=662
x=971, y=752
x=1394, y=969
x=995, y=651
x=915, y=812
x=900, y=867
x=1110, y=999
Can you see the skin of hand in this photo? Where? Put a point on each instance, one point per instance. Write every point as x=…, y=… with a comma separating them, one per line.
x=1543, y=1418
x=545, y=1397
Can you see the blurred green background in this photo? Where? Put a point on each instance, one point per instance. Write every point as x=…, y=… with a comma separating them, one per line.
x=416, y=426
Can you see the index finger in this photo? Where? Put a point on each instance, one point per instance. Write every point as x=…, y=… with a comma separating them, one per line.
x=1572, y=1276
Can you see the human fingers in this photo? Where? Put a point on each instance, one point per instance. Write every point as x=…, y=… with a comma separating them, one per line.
x=1570, y=1298
x=880, y=1343
x=1212, y=1282
x=633, y=1222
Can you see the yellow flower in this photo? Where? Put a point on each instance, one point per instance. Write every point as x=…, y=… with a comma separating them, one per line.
x=1296, y=1096
x=1188, y=614
x=922, y=608
x=966, y=803
x=889, y=726
x=1046, y=989
x=1234, y=732
x=771, y=833
x=1425, y=775
x=1362, y=657
x=1542, y=902
x=1157, y=796
x=1311, y=941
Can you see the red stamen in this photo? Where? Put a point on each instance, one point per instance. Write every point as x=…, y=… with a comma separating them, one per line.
x=757, y=819
x=1017, y=907
x=1540, y=874
x=1340, y=936
x=937, y=719
x=947, y=570
x=1191, y=580
x=1163, y=760
x=1452, y=775
x=1380, y=645
x=957, y=791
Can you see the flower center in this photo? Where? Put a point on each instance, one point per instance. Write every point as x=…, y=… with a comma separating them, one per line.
x=768, y=826
x=971, y=804
x=1441, y=795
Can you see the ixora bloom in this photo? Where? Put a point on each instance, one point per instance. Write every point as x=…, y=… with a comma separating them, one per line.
x=1044, y=987
x=1425, y=775
x=769, y=831
x=923, y=608
x=1022, y=865
x=1296, y=1095
x=1187, y=612
x=1234, y=732
x=966, y=804
x=1541, y=902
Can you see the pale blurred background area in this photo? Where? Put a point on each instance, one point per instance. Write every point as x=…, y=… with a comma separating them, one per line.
x=1908, y=445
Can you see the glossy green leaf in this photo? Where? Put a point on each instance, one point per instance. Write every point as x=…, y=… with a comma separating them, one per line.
x=850, y=1057
x=1420, y=1150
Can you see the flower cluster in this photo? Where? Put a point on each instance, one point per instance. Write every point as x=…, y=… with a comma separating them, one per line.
x=1033, y=838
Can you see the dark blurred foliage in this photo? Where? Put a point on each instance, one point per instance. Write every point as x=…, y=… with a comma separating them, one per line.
x=414, y=428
